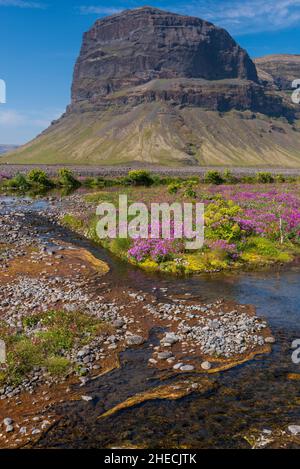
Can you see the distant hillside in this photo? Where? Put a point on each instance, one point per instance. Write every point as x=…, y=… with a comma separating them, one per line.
x=281, y=70
x=7, y=148
x=160, y=88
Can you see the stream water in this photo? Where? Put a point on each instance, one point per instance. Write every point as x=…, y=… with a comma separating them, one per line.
x=258, y=394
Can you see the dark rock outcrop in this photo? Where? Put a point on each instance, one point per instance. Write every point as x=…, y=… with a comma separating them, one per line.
x=140, y=45
x=147, y=55
x=219, y=95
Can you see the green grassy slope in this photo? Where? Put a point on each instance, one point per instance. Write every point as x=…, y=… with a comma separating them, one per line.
x=158, y=132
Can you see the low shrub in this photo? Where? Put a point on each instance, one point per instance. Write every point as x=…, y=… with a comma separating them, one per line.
x=220, y=221
x=66, y=178
x=39, y=177
x=173, y=188
x=229, y=178
x=140, y=178
x=190, y=192
x=167, y=180
x=280, y=178
x=19, y=182
x=265, y=178
x=248, y=179
x=195, y=180
x=213, y=177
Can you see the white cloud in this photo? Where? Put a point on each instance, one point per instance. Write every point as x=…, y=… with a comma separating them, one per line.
x=10, y=118
x=238, y=16
x=248, y=16
x=20, y=4
x=19, y=126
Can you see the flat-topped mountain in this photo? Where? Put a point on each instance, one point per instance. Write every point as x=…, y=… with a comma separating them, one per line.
x=157, y=87
x=137, y=46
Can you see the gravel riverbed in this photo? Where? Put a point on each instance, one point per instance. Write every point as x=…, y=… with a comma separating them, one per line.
x=38, y=274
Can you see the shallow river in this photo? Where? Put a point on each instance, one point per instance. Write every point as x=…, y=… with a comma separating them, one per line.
x=255, y=395
x=258, y=394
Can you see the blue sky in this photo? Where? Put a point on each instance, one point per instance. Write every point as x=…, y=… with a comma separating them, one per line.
x=40, y=40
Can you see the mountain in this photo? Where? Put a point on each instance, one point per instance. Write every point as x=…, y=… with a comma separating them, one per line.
x=146, y=44
x=157, y=87
x=279, y=70
x=7, y=148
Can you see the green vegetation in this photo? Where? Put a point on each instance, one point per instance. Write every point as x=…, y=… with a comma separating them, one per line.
x=72, y=222
x=236, y=216
x=264, y=178
x=173, y=188
x=244, y=227
x=66, y=178
x=44, y=343
x=148, y=134
x=39, y=178
x=19, y=182
x=258, y=249
x=139, y=178
x=190, y=192
x=37, y=182
x=229, y=178
x=93, y=182
x=220, y=221
x=213, y=177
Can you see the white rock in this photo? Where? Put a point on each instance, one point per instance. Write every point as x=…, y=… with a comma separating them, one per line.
x=35, y=431
x=294, y=429
x=177, y=366
x=152, y=361
x=206, y=366
x=187, y=368
x=270, y=340
x=87, y=398
x=171, y=360
x=8, y=421
x=9, y=428
x=266, y=431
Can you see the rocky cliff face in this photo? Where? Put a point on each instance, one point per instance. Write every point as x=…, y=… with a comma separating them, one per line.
x=147, y=55
x=157, y=87
x=140, y=45
x=212, y=95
